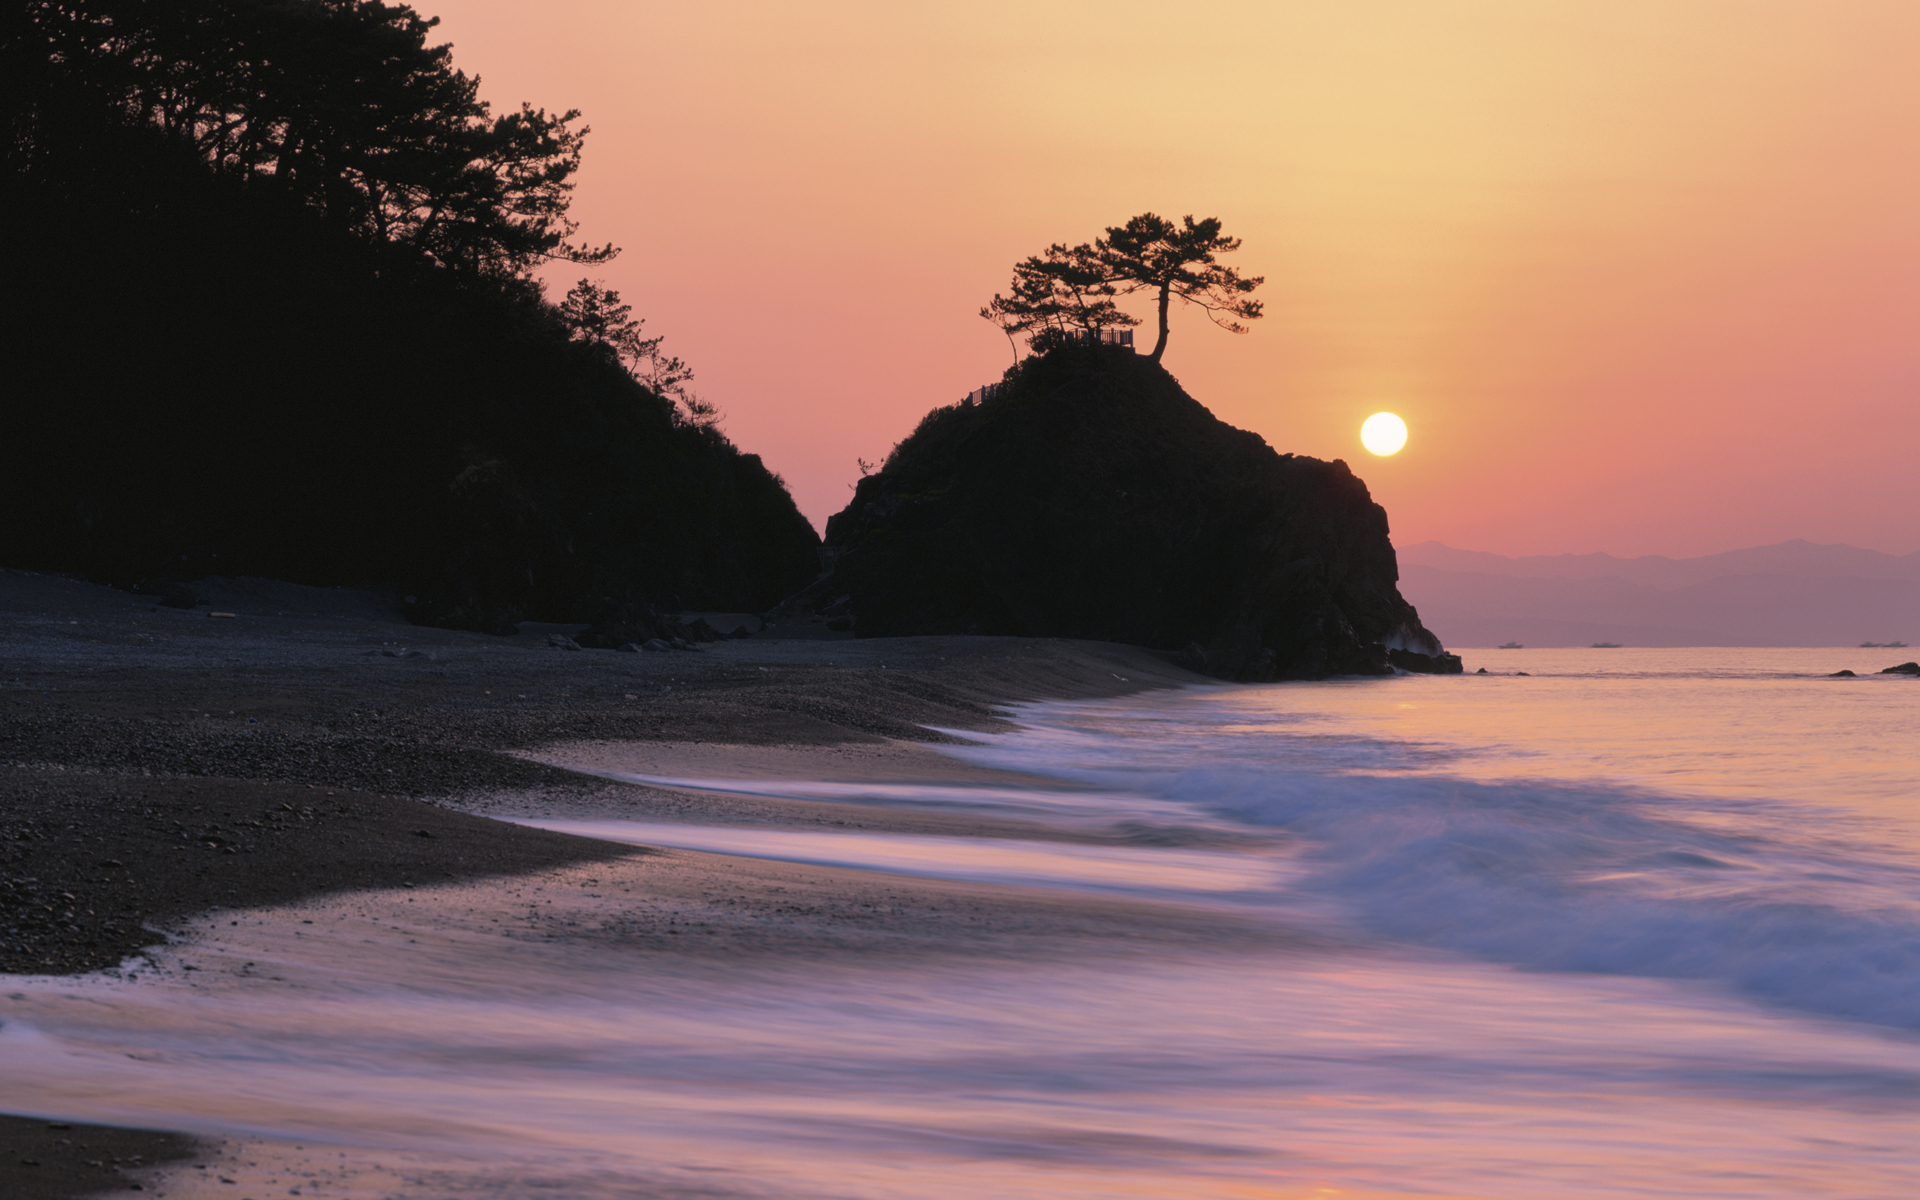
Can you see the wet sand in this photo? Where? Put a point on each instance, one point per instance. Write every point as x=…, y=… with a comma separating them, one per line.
x=508, y=941
x=161, y=769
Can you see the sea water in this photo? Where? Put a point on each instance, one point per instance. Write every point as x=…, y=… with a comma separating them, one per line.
x=1632, y=924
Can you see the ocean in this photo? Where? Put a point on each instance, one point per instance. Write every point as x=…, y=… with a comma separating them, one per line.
x=1634, y=923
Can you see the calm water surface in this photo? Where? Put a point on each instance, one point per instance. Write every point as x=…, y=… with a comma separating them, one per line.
x=1639, y=924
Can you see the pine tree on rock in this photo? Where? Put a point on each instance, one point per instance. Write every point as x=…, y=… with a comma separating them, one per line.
x=1056, y=294
x=1072, y=290
x=1152, y=254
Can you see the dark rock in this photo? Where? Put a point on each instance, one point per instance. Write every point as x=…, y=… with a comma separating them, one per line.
x=1905, y=668
x=464, y=608
x=1423, y=664
x=629, y=648
x=560, y=641
x=615, y=623
x=613, y=637
x=165, y=586
x=1523, y=673
x=1092, y=498
x=637, y=625
x=1481, y=671
x=655, y=646
x=840, y=624
x=1842, y=675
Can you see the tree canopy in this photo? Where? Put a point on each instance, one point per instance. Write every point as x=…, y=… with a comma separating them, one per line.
x=339, y=104
x=1070, y=289
x=597, y=317
x=1150, y=253
x=1056, y=293
x=272, y=310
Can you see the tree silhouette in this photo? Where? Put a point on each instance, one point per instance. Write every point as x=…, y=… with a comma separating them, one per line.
x=1151, y=253
x=596, y=316
x=271, y=311
x=340, y=104
x=1056, y=293
x=1072, y=289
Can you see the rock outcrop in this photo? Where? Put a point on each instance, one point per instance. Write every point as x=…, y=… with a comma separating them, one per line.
x=638, y=625
x=1091, y=497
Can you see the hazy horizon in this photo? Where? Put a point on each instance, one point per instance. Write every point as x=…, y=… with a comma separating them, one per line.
x=1792, y=593
x=1403, y=546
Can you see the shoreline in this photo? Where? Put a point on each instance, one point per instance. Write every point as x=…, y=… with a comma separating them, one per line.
x=158, y=767
x=250, y=740
x=570, y=936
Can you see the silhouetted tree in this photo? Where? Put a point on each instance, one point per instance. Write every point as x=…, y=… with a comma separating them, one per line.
x=596, y=316
x=340, y=104
x=1063, y=290
x=1151, y=253
x=271, y=310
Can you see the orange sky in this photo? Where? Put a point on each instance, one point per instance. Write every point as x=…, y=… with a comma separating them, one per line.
x=1643, y=276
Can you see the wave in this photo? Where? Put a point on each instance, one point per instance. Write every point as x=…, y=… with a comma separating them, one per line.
x=1769, y=900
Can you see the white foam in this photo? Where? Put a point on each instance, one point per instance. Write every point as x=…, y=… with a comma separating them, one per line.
x=1804, y=899
x=1159, y=871
x=1156, y=1073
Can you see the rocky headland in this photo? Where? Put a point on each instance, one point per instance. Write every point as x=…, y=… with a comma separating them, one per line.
x=1090, y=497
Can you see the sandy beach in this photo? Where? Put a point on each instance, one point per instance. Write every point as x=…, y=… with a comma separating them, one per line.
x=304, y=901
x=198, y=788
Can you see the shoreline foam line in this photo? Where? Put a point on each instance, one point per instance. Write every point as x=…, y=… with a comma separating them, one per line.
x=1159, y=872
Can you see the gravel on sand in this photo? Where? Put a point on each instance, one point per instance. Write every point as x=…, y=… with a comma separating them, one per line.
x=52, y=1160
x=154, y=762
x=157, y=765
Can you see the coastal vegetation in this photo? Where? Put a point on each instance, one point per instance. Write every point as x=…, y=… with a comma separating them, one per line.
x=273, y=311
x=1071, y=291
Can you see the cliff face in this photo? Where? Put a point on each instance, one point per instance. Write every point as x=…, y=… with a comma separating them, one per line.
x=1093, y=498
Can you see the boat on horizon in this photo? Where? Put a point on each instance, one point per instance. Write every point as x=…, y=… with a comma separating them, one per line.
x=1883, y=645
x=1509, y=646
x=1605, y=646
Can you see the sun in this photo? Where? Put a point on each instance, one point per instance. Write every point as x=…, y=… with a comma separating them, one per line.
x=1383, y=433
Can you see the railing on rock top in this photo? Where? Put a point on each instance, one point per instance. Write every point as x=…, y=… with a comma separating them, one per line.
x=1104, y=337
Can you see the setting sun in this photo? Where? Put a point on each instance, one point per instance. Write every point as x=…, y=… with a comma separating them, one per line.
x=1383, y=433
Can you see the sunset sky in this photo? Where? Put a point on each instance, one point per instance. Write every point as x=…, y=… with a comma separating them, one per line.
x=1642, y=276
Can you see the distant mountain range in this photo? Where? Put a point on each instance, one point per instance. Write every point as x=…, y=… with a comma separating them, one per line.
x=1795, y=593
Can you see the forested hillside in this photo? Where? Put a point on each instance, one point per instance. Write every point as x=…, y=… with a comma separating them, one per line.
x=271, y=311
